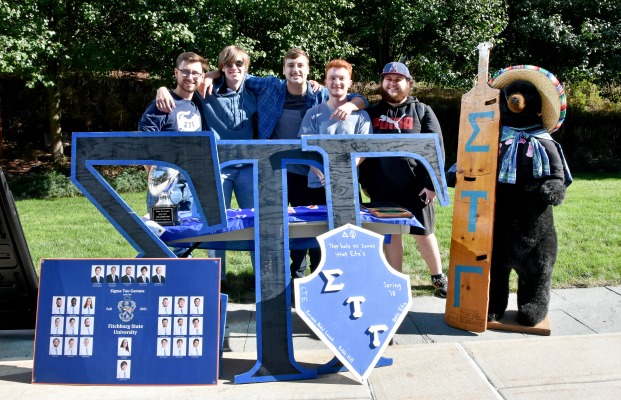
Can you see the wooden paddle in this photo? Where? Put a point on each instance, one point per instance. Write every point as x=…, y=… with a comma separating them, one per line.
x=473, y=212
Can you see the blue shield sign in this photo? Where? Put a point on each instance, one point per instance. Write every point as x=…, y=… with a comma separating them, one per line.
x=354, y=301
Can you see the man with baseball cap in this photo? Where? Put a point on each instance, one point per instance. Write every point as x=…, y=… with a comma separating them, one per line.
x=400, y=180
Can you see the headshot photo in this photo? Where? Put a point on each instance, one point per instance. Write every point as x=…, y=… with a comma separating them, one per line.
x=165, y=306
x=144, y=274
x=123, y=369
x=113, y=274
x=73, y=304
x=56, y=346
x=72, y=327
x=88, y=326
x=196, y=349
x=125, y=347
x=159, y=276
x=72, y=347
x=86, y=346
x=128, y=274
x=97, y=274
x=88, y=305
x=197, y=326
x=179, y=350
x=163, y=326
x=58, y=325
x=197, y=305
x=163, y=347
x=181, y=327
x=181, y=305
x=58, y=305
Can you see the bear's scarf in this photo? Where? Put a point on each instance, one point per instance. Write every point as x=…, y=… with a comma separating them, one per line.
x=541, y=162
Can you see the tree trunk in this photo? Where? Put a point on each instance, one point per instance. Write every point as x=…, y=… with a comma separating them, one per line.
x=56, y=143
x=382, y=51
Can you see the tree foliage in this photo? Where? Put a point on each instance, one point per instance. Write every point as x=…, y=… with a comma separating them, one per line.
x=438, y=37
x=576, y=39
x=45, y=41
x=266, y=29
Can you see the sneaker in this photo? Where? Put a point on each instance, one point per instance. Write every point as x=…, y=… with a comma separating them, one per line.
x=440, y=282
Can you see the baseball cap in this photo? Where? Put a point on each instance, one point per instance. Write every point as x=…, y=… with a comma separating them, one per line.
x=396, y=68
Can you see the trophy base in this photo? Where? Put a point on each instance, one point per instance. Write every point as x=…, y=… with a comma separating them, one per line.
x=165, y=216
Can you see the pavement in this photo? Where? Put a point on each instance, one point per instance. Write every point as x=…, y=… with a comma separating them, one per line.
x=581, y=359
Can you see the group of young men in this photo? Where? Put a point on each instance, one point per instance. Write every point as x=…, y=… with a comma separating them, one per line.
x=295, y=106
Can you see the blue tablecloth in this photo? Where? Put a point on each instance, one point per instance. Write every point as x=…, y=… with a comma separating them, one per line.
x=244, y=218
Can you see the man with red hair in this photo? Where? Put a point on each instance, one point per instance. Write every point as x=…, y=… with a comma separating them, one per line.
x=319, y=121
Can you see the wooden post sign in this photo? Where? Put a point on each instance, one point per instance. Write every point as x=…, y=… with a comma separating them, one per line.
x=473, y=212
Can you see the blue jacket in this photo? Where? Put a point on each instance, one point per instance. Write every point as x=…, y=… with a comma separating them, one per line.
x=229, y=115
x=271, y=93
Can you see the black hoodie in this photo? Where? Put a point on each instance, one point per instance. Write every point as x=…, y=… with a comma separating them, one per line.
x=398, y=179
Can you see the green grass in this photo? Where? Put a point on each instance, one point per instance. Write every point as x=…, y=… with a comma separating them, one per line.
x=588, y=225
x=70, y=228
x=74, y=228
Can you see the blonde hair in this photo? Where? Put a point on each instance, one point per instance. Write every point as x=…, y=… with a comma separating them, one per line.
x=230, y=54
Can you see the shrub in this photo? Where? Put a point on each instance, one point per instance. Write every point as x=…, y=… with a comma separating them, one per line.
x=54, y=182
x=130, y=180
x=44, y=185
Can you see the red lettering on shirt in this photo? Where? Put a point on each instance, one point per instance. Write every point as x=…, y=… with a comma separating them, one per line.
x=408, y=123
x=388, y=124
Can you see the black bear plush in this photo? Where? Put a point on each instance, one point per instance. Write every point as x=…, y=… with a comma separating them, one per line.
x=532, y=178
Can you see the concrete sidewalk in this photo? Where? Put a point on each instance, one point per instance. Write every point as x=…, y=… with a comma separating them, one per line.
x=581, y=359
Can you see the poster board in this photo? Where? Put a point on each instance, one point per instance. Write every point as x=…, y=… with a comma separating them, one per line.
x=104, y=321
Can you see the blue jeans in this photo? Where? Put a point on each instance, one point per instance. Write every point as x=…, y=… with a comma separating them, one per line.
x=238, y=180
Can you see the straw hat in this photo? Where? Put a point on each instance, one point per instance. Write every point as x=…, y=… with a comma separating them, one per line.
x=553, y=99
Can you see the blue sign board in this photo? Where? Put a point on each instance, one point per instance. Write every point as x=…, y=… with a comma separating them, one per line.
x=354, y=301
x=199, y=157
x=128, y=321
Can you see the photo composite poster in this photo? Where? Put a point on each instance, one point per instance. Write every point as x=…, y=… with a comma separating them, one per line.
x=112, y=332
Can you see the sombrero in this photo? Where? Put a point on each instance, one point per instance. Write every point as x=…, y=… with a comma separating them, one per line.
x=553, y=99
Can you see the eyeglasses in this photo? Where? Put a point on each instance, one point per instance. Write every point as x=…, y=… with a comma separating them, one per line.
x=238, y=64
x=185, y=73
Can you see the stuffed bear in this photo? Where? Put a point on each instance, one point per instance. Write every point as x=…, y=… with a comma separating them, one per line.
x=532, y=177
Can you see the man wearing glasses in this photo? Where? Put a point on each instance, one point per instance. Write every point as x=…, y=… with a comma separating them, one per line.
x=185, y=117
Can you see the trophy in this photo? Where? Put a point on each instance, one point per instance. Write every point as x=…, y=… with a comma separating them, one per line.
x=162, y=180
